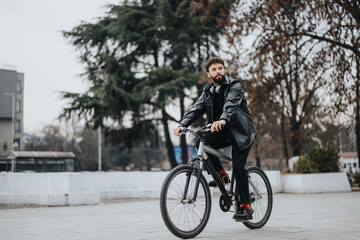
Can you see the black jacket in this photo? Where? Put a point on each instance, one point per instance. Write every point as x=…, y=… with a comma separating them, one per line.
x=235, y=112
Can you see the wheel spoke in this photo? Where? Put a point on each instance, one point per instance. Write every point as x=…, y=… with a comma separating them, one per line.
x=183, y=214
x=263, y=198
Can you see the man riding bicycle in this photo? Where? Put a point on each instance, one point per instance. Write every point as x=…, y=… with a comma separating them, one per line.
x=226, y=108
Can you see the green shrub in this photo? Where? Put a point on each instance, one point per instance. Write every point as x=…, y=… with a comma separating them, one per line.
x=357, y=178
x=319, y=160
x=327, y=157
x=306, y=165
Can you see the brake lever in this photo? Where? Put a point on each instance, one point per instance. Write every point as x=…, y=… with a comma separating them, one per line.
x=183, y=131
x=207, y=127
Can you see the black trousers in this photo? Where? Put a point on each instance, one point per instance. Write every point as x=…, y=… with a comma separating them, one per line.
x=223, y=139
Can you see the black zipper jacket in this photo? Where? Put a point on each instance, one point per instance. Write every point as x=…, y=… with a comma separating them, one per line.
x=235, y=111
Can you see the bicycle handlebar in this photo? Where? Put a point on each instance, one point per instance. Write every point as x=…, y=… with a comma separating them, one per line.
x=206, y=128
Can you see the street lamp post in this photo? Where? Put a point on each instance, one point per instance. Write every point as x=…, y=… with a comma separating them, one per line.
x=99, y=149
x=12, y=126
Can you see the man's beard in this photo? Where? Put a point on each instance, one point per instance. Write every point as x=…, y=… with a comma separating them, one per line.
x=219, y=81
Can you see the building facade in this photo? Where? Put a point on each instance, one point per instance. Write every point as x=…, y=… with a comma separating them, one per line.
x=349, y=162
x=11, y=111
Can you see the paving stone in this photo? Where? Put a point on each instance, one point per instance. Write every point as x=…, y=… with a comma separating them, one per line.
x=294, y=216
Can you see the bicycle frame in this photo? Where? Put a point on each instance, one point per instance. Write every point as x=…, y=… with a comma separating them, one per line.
x=202, y=155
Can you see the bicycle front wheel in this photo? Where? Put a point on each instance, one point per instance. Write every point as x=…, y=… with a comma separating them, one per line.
x=261, y=198
x=182, y=216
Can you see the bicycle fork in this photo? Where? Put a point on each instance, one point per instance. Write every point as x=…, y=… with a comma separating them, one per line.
x=198, y=171
x=213, y=172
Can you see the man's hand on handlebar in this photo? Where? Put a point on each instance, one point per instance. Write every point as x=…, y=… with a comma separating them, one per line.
x=217, y=125
x=177, y=131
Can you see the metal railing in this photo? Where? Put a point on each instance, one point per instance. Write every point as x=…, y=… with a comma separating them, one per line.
x=7, y=161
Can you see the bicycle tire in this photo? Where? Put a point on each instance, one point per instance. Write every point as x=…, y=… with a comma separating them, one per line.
x=179, y=217
x=262, y=205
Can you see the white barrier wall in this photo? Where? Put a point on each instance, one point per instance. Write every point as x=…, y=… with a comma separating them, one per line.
x=44, y=189
x=315, y=183
x=113, y=185
x=54, y=189
x=275, y=180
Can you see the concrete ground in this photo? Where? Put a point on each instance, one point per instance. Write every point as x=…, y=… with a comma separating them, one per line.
x=294, y=216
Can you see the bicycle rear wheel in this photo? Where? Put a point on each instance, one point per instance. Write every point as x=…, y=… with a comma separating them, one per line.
x=261, y=198
x=183, y=217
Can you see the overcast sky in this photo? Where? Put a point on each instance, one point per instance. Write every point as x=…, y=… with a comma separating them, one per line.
x=31, y=40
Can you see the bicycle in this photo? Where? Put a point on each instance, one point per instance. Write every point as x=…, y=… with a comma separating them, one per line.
x=185, y=198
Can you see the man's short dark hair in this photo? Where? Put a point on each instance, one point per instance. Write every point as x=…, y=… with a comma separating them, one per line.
x=213, y=60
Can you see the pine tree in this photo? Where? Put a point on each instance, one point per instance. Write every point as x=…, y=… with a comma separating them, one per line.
x=140, y=58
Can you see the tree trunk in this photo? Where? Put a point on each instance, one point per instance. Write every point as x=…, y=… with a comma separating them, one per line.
x=168, y=142
x=286, y=153
x=184, y=155
x=283, y=132
x=148, y=165
x=156, y=136
x=207, y=48
x=357, y=109
x=296, y=140
x=257, y=155
x=199, y=57
x=156, y=56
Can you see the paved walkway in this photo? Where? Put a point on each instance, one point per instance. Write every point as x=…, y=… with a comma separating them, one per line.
x=295, y=216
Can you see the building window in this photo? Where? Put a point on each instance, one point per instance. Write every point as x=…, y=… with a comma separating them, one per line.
x=354, y=164
x=18, y=105
x=18, y=86
x=17, y=125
